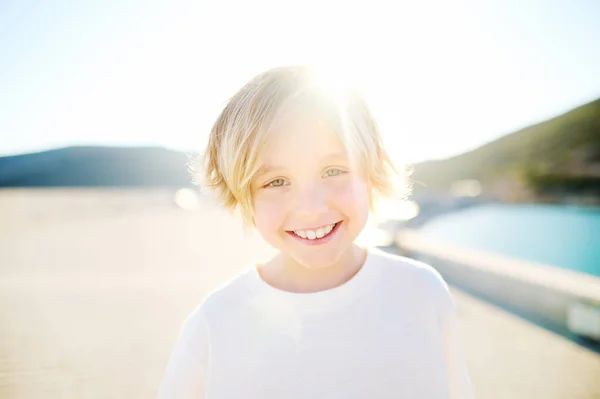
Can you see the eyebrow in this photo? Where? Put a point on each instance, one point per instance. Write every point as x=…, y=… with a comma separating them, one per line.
x=264, y=169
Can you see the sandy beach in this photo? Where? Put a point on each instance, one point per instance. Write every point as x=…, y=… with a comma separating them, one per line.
x=92, y=298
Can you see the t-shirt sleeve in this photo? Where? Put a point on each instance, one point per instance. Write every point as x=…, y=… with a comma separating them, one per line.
x=456, y=366
x=185, y=375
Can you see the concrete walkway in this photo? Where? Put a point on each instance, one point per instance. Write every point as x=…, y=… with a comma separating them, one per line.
x=509, y=357
x=90, y=308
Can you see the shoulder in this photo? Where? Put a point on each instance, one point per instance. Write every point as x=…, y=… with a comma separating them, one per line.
x=413, y=278
x=410, y=270
x=414, y=281
x=225, y=298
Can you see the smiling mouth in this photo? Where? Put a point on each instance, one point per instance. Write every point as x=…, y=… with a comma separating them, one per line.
x=315, y=234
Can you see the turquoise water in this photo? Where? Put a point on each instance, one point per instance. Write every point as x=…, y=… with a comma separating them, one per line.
x=563, y=236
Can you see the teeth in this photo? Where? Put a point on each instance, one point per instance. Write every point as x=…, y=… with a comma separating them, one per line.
x=313, y=234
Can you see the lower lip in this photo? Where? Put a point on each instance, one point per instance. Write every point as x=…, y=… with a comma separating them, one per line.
x=317, y=241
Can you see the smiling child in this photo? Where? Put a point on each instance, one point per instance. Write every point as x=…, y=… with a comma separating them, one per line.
x=304, y=163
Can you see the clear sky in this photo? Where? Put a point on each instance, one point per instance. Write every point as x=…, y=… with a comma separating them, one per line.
x=442, y=76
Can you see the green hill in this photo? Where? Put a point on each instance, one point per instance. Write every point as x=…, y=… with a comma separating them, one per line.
x=550, y=161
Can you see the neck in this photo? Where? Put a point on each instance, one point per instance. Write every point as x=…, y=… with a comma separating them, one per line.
x=285, y=273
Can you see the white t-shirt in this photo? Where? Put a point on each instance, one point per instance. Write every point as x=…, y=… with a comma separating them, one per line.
x=389, y=332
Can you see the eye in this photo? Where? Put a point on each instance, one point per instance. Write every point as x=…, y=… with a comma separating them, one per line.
x=333, y=172
x=276, y=183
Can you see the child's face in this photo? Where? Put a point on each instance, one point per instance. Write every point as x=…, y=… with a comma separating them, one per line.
x=308, y=185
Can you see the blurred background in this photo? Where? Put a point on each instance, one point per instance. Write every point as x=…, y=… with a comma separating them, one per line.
x=106, y=246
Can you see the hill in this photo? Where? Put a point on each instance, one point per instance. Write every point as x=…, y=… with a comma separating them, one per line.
x=551, y=160
x=556, y=160
x=96, y=166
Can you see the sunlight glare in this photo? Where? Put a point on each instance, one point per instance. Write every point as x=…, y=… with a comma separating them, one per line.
x=372, y=236
x=396, y=210
x=187, y=199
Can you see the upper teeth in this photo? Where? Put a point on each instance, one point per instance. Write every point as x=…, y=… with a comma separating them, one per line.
x=312, y=234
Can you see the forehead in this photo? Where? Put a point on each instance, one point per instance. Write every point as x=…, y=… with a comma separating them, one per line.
x=301, y=133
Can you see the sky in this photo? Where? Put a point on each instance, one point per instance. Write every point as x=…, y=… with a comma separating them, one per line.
x=442, y=77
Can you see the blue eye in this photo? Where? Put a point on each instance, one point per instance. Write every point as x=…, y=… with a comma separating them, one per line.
x=276, y=183
x=333, y=172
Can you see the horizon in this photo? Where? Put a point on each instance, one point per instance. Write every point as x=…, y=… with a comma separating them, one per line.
x=441, y=81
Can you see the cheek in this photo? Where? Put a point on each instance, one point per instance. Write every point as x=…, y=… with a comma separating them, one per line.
x=268, y=213
x=352, y=196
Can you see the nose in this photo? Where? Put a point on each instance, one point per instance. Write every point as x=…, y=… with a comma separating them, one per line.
x=311, y=202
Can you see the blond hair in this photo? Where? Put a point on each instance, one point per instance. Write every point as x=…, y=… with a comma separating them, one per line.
x=230, y=159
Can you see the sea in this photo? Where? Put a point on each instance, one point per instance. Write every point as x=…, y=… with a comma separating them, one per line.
x=558, y=235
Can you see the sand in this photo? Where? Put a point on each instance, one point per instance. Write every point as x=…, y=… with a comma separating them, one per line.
x=94, y=286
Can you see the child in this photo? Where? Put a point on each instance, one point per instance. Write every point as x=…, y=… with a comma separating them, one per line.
x=324, y=318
